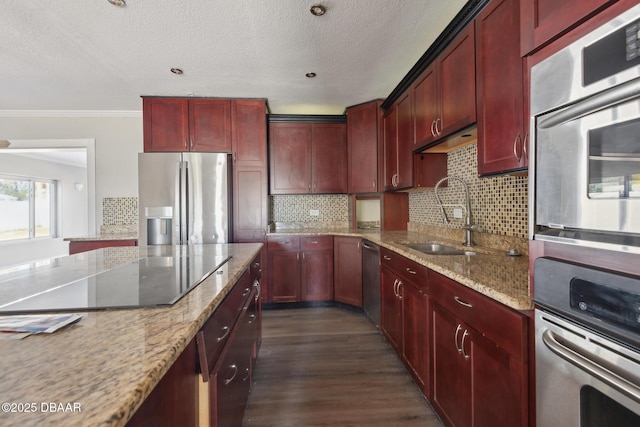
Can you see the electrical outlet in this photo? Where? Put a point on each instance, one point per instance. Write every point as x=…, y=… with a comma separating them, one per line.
x=457, y=213
x=314, y=212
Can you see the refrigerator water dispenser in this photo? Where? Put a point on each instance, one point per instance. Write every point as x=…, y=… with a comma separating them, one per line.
x=159, y=225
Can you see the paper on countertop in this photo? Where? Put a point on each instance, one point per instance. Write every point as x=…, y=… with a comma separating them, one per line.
x=37, y=323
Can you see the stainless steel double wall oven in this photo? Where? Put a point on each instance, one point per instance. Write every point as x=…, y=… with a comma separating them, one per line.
x=585, y=191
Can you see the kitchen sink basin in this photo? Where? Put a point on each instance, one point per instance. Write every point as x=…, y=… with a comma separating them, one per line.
x=438, y=249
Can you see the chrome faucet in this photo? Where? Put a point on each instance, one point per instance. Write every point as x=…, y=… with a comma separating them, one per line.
x=468, y=227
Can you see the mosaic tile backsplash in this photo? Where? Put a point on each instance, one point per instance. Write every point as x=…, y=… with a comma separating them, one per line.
x=119, y=215
x=333, y=210
x=499, y=205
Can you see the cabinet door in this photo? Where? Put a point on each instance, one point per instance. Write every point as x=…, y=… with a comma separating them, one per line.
x=542, y=20
x=405, y=143
x=166, y=124
x=391, y=148
x=363, y=124
x=210, y=125
x=317, y=275
x=500, y=394
x=426, y=106
x=290, y=158
x=502, y=133
x=250, y=211
x=390, y=309
x=329, y=158
x=249, y=132
x=458, y=83
x=284, y=276
x=347, y=264
x=451, y=372
x=415, y=327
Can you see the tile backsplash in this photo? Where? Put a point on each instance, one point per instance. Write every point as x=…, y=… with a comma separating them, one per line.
x=499, y=204
x=119, y=215
x=333, y=210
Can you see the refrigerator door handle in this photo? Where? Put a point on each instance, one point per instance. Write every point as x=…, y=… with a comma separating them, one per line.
x=182, y=201
x=185, y=200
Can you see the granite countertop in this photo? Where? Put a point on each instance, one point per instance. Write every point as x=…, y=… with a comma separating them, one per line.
x=491, y=272
x=108, y=362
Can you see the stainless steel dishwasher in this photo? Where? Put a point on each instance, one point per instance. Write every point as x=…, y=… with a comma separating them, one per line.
x=371, y=281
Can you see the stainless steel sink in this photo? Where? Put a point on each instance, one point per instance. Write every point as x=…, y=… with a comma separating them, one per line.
x=438, y=249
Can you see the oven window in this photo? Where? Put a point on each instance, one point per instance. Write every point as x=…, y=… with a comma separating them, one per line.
x=599, y=410
x=614, y=161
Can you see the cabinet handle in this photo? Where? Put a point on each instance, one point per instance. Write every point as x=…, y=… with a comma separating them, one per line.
x=226, y=332
x=456, y=338
x=252, y=318
x=315, y=242
x=410, y=271
x=438, y=131
x=386, y=258
x=235, y=157
x=235, y=372
x=524, y=145
x=433, y=133
x=515, y=148
x=303, y=256
x=247, y=374
x=464, y=336
x=256, y=265
x=395, y=289
x=256, y=284
x=246, y=292
x=459, y=301
x=374, y=184
x=399, y=290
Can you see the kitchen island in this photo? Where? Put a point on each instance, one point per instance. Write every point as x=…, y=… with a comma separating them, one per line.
x=100, y=370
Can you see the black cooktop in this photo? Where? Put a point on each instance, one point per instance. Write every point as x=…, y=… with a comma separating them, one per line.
x=158, y=278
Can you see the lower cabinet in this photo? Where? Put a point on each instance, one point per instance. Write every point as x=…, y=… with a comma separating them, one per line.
x=404, y=320
x=347, y=265
x=300, y=268
x=479, y=357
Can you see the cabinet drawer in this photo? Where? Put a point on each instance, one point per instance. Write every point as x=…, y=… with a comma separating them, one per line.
x=505, y=327
x=215, y=332
x=283, y=243
x=311, y=243
x=405, y=268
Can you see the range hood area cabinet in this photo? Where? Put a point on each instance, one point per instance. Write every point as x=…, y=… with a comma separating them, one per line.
x=365, y=148
x=307, y=158
x=186, y=124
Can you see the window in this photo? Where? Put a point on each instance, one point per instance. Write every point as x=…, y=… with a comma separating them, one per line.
x=27, y=208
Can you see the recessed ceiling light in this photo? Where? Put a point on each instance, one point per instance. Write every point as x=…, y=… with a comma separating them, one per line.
x=119, y=3
x=176, y=71
x=311, y=75
x=318, y=10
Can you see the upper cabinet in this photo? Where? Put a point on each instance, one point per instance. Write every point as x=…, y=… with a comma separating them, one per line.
x=398, y=145
x=543, y=20
x=364, y=145
x=249, y=132
x=444, y=94
x=502, y=127
x=307, y=158
x=186, y=124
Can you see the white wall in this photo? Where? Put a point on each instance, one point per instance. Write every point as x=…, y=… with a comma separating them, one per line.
x=118, y=140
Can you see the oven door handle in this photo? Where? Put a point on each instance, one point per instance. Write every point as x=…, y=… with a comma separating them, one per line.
x=604, y=99
x=585, y=362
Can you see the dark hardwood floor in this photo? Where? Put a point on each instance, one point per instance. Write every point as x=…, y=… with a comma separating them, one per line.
x=331, y=367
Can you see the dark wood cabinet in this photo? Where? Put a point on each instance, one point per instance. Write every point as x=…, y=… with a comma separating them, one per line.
x=316, y=271
x=365, y=148
x=347, y=266
x=186, y=124
x=543, y=20
x=404, y=316
x=250, y=181
x=307, y=158
x=444, y=94
x=398, y=145
x=502, y=126
x=300, y=268
x=428, y=169
x=77, y=246
x=480, y=357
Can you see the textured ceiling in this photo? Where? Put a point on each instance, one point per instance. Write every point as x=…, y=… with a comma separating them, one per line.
x=91, y=55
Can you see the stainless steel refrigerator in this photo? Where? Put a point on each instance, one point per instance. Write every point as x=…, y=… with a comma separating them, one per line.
x=184, y=198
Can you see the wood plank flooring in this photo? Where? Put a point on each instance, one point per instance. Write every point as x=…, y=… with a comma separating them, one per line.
x=330, y=366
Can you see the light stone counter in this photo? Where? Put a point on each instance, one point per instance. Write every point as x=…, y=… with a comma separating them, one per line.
x=108, y=362
x=491, y=272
